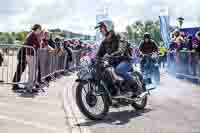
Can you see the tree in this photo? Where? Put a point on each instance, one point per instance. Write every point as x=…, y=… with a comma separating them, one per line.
x=7, y=38
x=130, y=32
x=148, y=25
x=10, y=39
x=3, y=38
x=137, y=30
x=62, y=34
x=20, y=36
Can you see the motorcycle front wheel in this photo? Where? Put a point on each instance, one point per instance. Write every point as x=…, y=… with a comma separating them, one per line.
x=93, y=106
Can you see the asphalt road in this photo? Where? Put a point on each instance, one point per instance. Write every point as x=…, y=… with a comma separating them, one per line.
x=172, y=108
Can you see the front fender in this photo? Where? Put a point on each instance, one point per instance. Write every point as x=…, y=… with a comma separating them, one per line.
x=84, y=75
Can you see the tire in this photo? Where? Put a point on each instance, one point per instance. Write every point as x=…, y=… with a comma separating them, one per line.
x=144, y=101
x=84, y=110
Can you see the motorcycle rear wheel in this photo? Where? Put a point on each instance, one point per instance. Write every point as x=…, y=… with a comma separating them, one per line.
x=143, y=103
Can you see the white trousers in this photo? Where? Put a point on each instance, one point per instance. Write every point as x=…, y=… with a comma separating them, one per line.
x=31, y=61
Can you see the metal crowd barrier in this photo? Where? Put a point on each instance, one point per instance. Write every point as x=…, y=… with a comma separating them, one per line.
x=184, y=63
x=14, y=67
x=51, y=63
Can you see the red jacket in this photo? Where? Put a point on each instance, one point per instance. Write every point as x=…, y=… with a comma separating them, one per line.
x=33, y=41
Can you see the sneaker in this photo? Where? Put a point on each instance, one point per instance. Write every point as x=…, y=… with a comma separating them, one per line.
x=16, y=87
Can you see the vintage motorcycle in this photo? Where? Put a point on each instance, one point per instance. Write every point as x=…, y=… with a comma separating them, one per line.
x=94, y=96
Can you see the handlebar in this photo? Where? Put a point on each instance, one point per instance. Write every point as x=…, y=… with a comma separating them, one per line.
x=107, y=58
x=151, y=55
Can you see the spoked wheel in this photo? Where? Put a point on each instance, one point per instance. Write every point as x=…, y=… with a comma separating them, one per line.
x=93, y=106
x=142, y=103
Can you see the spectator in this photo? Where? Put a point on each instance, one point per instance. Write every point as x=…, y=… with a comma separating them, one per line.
x=54, y=46
x=196, y=47
x=59, y=47
x=174, y=40
x=51, y=42
x=162, y=56
x=182, y=54
x=44, y=37
x=33, y=41
x=69, y=53
x=189, y=42
x=175, y=35
x=179, y=42
x=172, y=51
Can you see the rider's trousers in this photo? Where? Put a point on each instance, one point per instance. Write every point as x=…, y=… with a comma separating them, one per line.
x=123, y=68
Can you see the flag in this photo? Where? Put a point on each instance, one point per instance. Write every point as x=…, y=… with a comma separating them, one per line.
x=164, y=30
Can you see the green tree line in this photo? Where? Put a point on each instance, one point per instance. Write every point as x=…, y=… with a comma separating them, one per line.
x=10, y=37
x=137, y=30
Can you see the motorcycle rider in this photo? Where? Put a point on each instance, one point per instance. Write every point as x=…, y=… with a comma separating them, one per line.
x=147, y=47
x=113, y=46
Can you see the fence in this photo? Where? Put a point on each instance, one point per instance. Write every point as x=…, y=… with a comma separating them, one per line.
x=14, y=68
x=184, y=63
x=51, y=63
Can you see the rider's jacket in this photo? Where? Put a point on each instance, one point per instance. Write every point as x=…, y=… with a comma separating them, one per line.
x=114, y=47
x=197, y=49
x=147, y=48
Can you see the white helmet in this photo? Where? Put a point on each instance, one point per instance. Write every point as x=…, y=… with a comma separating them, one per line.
x=107, y=23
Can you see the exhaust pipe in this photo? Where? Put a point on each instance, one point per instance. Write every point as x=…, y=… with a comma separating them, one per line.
x=139, y=98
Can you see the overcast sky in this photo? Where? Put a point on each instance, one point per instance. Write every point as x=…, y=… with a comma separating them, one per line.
x=80, y=15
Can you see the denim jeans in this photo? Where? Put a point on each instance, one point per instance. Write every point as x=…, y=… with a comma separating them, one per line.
x=122, y=70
